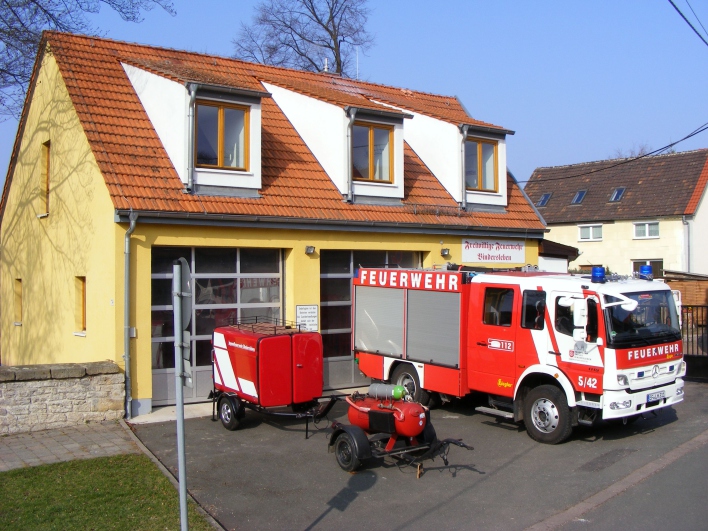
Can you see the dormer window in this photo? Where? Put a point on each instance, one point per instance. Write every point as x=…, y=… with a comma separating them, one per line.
x=222, y=136
x=617, y=195
x=544, y=200
x=579, y=196
x=372, y=153
x=480, y=165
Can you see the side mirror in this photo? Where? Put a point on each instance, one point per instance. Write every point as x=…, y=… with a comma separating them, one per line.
x=580, y=313
x=579, y=334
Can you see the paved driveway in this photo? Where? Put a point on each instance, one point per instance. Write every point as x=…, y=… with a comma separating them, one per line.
x=266, y=475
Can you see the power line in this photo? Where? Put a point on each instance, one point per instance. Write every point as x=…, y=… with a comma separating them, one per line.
x=698, y=19
x=700, y=129
x=688, y=22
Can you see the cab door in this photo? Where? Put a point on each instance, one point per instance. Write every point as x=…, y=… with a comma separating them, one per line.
x=492, y=344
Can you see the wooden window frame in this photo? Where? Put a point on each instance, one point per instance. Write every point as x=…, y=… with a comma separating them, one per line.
x=45, y=174
x=220, y=132
x=18, y=301
x=371, y=126
x=80, y=304
x=495, y=144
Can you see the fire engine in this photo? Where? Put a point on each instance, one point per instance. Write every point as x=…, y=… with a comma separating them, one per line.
x=551, y=350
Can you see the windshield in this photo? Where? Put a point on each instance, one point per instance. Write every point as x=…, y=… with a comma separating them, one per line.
x=653, y=321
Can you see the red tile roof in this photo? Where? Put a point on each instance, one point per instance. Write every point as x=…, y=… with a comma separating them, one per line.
x=658, y=186
x=139, y=174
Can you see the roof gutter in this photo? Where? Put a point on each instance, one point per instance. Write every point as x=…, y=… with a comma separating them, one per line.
x=687, y=224
x=267, y=222
x=133, y=216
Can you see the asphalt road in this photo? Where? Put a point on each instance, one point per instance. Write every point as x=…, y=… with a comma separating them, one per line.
x=266, y=475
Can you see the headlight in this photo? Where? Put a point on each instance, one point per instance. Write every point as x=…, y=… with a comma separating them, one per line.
x=679, y=391
x=621, y=405
x=622, y=379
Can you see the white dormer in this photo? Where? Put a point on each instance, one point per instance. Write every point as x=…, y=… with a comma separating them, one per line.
x=459, y=155
x=372, y=168
x=211, y=134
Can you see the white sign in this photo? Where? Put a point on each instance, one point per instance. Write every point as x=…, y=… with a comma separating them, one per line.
x=486, y=250
x=306, y=317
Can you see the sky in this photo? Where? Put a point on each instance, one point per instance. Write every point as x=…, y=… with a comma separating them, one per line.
x=577, y=81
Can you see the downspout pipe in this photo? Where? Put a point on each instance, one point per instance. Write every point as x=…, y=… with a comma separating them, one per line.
x=192, y=89
x=126, y=317
x=687, y=224
x=351, y=113
x=463, y=129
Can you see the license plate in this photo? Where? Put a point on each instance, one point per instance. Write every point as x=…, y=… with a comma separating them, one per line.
x=653, y=397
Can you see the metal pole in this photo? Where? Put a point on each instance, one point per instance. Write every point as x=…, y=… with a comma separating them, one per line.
x=179, y=392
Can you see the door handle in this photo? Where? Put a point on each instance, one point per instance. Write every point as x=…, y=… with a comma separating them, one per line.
x=554, y=353
x=482, y=344
x=299, y=365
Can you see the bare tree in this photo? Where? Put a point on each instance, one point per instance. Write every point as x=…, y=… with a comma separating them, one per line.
x=304, y=33
x=21, y=26
x=632, y=153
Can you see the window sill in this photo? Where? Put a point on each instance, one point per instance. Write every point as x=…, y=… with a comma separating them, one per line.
x=17, y=324
x=588, y=241
x=80, y=334
x=42, y=216
x=646, y=238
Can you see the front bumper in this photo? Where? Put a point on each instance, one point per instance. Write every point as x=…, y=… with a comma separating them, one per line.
x=639, y=400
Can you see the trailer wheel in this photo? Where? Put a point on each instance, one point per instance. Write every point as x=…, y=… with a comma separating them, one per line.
x=345, y=452
x=405, y=375
x=546, y=414
x=228, y=412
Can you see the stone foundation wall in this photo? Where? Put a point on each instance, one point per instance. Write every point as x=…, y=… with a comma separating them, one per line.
x=40, y=397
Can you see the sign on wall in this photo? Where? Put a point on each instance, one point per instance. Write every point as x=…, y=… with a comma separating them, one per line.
x=306, y=317
x=479, y=250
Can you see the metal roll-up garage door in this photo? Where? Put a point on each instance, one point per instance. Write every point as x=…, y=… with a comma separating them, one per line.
x=433, y=327
x=378, y=324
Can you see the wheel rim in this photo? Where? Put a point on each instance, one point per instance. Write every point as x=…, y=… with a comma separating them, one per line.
x=225, y=412
x=344, y=453
x=544, y=415
x=407, y=381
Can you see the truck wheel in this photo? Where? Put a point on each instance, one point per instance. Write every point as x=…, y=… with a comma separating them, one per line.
x=228, y=412
x=405, y=375
x=546, y=415
x=345, y=452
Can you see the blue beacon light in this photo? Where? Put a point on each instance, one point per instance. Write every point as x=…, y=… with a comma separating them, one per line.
x=598, y=275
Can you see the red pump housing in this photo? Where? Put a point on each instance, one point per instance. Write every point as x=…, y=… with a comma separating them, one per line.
x=376, y=415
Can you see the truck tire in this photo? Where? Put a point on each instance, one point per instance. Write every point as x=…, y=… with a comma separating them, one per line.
x=345, y=452
x=546, y=414
x=404, y=374
x=229, y=412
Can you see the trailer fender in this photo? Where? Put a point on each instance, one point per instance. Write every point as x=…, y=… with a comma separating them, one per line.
x=553, y=372
x=361, y=442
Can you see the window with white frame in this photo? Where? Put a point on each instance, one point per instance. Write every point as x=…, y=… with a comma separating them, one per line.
x=646, y=230
x=590, y=233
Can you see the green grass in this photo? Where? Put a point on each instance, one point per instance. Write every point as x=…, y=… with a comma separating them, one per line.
x=122, y=492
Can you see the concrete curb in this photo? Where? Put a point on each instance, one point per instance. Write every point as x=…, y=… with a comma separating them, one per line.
x=209, y=518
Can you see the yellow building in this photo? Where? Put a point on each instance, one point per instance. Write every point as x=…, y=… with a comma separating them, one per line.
x=274, y=184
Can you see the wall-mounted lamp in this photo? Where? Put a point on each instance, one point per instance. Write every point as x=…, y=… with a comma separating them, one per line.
x=445, y=252
x=309, y=249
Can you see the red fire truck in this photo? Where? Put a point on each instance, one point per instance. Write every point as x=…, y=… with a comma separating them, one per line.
x=551, y=350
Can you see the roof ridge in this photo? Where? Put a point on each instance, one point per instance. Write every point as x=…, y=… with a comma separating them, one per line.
x=604, y=161
x=243, y=62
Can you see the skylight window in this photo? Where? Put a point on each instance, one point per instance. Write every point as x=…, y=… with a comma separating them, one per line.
x=579, y=196
x=617, y=195
x=544, y=200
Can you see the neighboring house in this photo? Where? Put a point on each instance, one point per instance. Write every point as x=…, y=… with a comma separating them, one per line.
x=625, y=213
x=274, y=184
x=555, y=257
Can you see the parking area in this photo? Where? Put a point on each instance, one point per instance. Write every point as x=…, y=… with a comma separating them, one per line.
x=266, y=475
